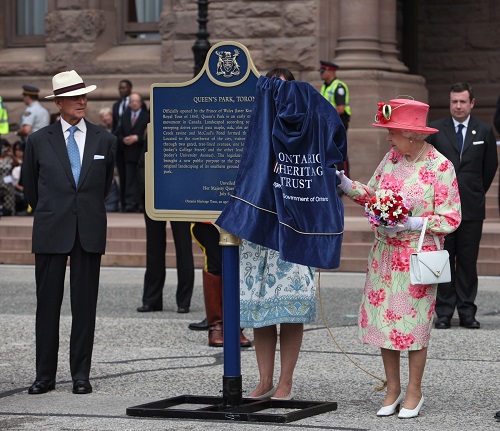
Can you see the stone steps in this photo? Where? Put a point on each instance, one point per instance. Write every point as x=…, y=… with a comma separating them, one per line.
x=126, y=243
x=127, y=246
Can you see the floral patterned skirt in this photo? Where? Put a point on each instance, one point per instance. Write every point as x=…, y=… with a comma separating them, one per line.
x=394, y=313
x=273, y=291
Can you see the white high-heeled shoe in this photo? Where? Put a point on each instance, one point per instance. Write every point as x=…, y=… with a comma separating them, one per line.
x=407, y=414
x=268, y=394
x=392, y=408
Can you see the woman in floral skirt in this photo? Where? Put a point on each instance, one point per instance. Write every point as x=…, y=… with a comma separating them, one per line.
x=396, y=315
x=272, y=292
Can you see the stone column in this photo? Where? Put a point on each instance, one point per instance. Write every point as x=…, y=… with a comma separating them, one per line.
x=367, y=56
x=168, y=27
x=358, y=41
x=388, y=36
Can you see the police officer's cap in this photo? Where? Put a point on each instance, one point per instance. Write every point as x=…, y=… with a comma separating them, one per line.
x=327, y=65
x=30, y=90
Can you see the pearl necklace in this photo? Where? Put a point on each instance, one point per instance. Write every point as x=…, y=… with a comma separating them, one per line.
x=407, y=163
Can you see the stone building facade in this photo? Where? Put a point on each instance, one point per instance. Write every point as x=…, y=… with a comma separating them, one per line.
x=385, y=48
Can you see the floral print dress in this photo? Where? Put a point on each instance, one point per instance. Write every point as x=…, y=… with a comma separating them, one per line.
x=395, y=314
x=274, y=291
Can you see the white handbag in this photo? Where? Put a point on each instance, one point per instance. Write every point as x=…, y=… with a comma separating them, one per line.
x=429, y=267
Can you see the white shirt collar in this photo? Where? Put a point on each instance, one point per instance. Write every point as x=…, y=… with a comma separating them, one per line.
x=465, y=123
x=82, y=126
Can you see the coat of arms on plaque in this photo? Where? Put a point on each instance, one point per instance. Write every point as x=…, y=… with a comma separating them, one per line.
x=227, y=66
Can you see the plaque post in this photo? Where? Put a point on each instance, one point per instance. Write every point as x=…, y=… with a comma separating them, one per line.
x=232, y=381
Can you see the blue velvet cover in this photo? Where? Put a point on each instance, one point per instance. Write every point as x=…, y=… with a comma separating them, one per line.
x=285, y=195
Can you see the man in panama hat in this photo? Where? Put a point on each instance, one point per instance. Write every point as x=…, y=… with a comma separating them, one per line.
x=68, y=169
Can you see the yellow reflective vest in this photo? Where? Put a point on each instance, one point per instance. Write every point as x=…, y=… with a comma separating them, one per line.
x=328, y=92
x=4, y=119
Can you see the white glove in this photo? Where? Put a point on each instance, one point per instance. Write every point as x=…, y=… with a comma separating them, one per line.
x=413, y=223
x=345, y=183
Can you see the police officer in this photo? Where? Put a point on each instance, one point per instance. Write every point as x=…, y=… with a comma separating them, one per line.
x=335, y=91
x=35, y=116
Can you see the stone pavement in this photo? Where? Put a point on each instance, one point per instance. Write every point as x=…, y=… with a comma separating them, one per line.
x=141, y=358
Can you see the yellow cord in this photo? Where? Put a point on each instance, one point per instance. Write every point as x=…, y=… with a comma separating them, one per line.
x=384, y=382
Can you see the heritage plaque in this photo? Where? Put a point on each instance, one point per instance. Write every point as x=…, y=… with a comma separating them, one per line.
x=196, y=136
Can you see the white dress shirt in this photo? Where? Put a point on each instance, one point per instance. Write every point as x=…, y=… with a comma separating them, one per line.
x=80, y=135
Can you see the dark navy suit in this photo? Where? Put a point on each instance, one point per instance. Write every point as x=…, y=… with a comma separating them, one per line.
x=69, y=220
x=475, y=171
x=128, y=158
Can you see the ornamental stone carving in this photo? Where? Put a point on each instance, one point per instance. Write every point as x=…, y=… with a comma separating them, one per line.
x=74, y=25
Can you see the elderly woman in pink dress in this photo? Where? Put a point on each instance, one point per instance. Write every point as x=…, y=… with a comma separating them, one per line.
x=396, y=315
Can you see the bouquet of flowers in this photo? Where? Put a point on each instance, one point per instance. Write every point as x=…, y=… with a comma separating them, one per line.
x=386, y=208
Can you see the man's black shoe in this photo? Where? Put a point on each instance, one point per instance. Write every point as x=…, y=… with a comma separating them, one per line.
x=183, y=310
x=470, y=324
x=443, y=323
x=148, y=308
x=41, y=387
x=81, y=387
x=200, y=326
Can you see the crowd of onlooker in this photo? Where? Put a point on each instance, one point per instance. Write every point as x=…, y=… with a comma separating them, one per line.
x=12, y=199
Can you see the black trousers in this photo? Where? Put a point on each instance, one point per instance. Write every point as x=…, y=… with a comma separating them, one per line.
x=129, y=186
x=50, y=271
x=207, y=236
x=156, y=248
x=461, y=292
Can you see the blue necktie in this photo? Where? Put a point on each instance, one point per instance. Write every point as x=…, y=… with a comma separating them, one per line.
x=74, y=154
x=460, y=137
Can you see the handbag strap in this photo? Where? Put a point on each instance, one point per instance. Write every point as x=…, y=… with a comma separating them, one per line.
x=422, y=234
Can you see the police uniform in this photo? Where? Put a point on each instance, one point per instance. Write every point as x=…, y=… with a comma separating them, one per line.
x=35, y=115
x=336, y=92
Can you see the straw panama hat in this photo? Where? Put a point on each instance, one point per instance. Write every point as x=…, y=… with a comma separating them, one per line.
x=69, y=84
x=403, y=114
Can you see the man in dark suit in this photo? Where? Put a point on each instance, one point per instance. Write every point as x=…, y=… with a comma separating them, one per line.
x=156, y=248
x=119, y=107
x=496, y=123
x=131, y=138
x=68, y=173
x=470, y=145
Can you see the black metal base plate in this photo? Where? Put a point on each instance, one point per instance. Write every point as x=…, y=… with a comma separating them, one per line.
x=249, y=410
